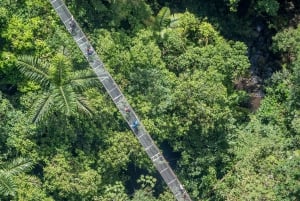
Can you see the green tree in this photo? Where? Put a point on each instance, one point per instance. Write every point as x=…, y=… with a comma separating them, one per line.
x=71, y=178
x=115, y=192
x=270, y=7
x=143, y=195
x=30, y=188
x=286, y=42
x=264, y=166
x=120, y=14
x=295, y=82
x=233, y=4
x=61, y=88
x=120, y=151
x=3, y=18
x=198, y=128
x=24, y=34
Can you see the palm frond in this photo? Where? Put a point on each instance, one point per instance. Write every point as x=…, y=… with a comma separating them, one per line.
x=162, y=19
x=42, y=107
x=17, y=166
x=83, y=80
x=60, y=69
x=175, y=20
x=7, y=184
x=84, y=106
x=33, y=69
x=65, y=99
x=8, y=171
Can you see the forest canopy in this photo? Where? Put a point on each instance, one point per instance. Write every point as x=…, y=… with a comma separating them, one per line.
x=215, y=83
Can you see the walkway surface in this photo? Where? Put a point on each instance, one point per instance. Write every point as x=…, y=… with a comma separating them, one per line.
x=118, y=98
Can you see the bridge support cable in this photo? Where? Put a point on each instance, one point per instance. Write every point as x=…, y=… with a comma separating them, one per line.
x=120, y=101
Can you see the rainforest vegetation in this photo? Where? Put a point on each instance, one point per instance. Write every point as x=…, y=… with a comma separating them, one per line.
x=216, y=83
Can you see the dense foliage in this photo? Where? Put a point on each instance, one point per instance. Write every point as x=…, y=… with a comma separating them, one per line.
x=181, y=65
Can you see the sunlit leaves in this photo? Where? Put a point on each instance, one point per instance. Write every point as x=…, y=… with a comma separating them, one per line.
x=143, y=195
x=16, y=131
x=295, y=85
x=113, y=192
x=3, y=17
x=121, y=148
x=31, y=188
x=201, y=99
x=233, y=4
x=207, y=34
x=287, y=172
x=21, y=34
x=272, y=112
x=269, y=7
x=59, y=70
x=65, y=181
x=287, y=41
x=260, y=151
x=207, y=50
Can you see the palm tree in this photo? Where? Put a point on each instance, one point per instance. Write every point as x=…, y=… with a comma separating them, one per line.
x=61, y=89
x=7, y=173
x=164, y=21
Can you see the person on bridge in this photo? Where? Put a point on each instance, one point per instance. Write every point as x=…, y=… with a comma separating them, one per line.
x=89, y=51
x=72, y=24
x=135, y=124
x=183, y=192
x=127, y=110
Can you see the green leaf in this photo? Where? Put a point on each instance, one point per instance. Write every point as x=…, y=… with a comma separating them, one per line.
x=8, y=171
x=7, y=185
x=42, y=106
x=162, y=19
x=33, y=69
x=17, y=166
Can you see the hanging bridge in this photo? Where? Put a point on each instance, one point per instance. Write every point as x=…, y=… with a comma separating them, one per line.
x=120, y=101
